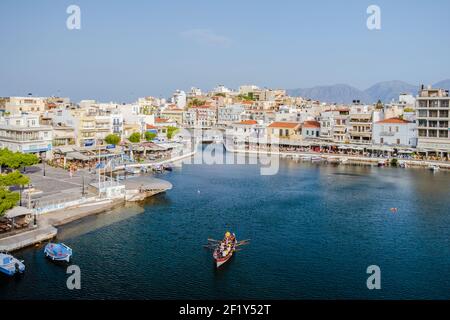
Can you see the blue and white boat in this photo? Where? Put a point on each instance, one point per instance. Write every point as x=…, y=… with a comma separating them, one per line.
x=10, y=265
x=58, y=252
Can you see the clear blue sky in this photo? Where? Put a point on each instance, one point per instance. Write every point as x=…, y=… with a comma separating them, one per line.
x=127, y=49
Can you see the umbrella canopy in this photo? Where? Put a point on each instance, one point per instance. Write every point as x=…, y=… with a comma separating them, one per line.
x=17, y=212
x=77, y=156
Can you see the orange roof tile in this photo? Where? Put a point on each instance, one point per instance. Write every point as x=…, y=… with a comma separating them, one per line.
x=311, y=124
x=289, y=125
x=248, y=122
x=394, y=120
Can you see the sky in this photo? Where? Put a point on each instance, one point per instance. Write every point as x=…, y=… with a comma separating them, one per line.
x=129, y=49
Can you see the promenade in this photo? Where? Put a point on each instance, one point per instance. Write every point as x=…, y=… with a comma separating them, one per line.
x=58, y=186
x=350, y=159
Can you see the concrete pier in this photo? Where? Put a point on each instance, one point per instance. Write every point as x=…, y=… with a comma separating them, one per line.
x=27, y=238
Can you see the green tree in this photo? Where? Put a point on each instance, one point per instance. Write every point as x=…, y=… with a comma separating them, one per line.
x=149, y=136
x=135, y=137
x=171, y=131
x=8, y=200
x=112, y=139
x=247, y=97
x=14, y=178
x=196, y=102
x=394, y=162
x=16, y=160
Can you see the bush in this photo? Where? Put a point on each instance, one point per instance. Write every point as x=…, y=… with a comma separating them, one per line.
x=149, y=136
x=112, y=139
x=135, y=137
x=171, y=131
x=394, y=162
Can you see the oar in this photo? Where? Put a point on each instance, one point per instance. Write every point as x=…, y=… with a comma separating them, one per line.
x=212, y=240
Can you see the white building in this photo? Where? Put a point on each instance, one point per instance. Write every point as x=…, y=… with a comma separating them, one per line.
x=179, y=98
x=311, y=129
x=407, y=99
x=23, y=133
x=395, y=132
x=221, y=89
x=195, y=92
x=229, y=114
x=246, y=89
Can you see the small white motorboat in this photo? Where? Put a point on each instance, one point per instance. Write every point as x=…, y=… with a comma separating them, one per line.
x=58, y=252
x=10, y=265
x=131, y=170
x=433, y=167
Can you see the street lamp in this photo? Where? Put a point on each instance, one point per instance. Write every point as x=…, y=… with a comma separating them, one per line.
x=43, y=164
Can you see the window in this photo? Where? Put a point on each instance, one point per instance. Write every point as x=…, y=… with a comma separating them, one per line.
x=381, y=140
x=396, y=129
x=398, y=141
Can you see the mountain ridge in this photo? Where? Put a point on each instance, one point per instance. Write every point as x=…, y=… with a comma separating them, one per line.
x=386, y=91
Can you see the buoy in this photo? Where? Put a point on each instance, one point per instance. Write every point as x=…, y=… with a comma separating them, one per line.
x=394, y=210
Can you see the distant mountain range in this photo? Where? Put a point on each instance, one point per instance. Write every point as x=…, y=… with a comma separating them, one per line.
x=342, y=93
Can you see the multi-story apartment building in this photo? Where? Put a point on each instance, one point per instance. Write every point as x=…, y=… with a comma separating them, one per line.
x=172, y=114
x=91, y=125
x=15, y=105
x=201, y=117
x=433, y=110
x=340, y=125
x=230, y=114
x=327, y=125
x=23, y=133
x=360, y=124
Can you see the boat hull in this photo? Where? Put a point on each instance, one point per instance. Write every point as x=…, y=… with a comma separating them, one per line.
x=220, y=261
x=58, y=252
x=10, y=265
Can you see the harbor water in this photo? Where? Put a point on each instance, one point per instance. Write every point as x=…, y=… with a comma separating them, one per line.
x=314, y=230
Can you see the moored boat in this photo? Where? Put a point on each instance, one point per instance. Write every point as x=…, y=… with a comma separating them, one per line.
x=382, y=163
x=58, y=252
x=225, y=249
x=433, y=167
x=10, y=265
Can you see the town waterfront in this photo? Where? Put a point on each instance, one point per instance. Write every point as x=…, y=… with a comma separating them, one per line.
x=314, y=230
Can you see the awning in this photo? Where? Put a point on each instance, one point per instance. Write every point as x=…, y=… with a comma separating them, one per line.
x=77, y=156
x=64, y=150
x=17, y=212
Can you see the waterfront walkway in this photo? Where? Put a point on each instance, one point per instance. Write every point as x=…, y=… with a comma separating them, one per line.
x=58, y=186
x=350, y=158
x=27, y=238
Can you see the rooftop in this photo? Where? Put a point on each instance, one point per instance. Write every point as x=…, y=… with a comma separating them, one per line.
x=287, y=125
x=311, y=124
x=394, y=121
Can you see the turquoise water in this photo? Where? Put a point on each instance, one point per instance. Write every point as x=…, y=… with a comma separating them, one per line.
x=314, y=230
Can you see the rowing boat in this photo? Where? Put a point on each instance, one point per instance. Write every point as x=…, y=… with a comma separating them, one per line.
x=225, y=249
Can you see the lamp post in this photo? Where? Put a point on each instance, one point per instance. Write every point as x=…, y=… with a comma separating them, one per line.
x=43, y=164
x=83, y=193
x=20, y=195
